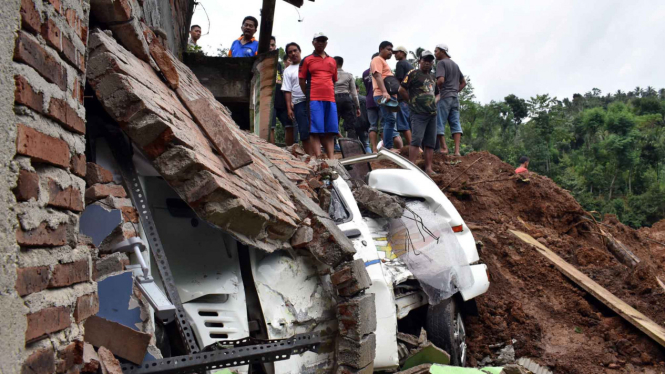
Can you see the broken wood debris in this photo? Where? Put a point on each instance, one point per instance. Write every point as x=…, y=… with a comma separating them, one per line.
x=637, y=319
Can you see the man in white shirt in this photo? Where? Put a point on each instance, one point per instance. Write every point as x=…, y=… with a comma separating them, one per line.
x=296, y=102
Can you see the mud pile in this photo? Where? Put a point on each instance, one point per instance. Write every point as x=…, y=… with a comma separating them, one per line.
x=530, y=304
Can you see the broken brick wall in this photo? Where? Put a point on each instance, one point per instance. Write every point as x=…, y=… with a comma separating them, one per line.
x=49, y=271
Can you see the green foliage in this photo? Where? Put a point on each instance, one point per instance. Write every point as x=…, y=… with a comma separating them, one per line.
x=607, y=150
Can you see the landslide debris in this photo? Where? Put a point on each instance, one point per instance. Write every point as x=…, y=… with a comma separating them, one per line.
x=530, y=304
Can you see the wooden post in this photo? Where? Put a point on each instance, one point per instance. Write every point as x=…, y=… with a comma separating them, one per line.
x=267, y=17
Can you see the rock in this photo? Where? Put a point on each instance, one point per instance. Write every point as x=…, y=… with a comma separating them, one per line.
x=379, y=203
x=302, y=237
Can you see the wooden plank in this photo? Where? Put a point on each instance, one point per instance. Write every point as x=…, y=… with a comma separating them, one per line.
x=121, y=340
x=637, y=319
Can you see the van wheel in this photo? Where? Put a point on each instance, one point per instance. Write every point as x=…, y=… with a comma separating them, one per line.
x=445, y=328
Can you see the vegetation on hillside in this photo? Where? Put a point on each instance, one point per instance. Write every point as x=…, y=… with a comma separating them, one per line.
x=607, y=150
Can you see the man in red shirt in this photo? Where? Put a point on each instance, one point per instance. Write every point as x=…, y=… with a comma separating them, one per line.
x=317, y=75
x=524, y=165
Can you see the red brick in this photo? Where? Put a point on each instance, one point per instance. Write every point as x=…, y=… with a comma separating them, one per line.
x=51, y=33
x=97, y=174
x=84, y=34
x=28, y=51
x=66, y=115
x=69, y=52
x=81, y=94
x=40, y=362
x=41, y=147
x=81, y=65
x=86, y=306
x=27, y=186
x=57, y=4
x=69, y=356
x=30, y=19
x=42, y=236
x=109, y=265
x=165, y=63
x=31, y=280
x=78, y=165
x=68, y=274
x=130, y=214
x=24, y=94
x=46, y=321
x=109, y=11
x=68, y=198
x=100, y=191
x=110, y=364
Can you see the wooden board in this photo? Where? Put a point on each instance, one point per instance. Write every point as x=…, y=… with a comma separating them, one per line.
x=637, y=319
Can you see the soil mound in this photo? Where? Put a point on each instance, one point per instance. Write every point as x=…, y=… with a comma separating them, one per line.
x=530, y=304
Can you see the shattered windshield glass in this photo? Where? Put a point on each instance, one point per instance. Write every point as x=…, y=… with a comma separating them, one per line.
x=425, y=242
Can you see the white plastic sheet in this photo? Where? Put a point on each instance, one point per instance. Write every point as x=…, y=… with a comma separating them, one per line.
x=425, y=242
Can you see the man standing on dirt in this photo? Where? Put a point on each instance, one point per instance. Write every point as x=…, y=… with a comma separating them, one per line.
x=417, y=89
x=450, y=81
x=524, y=165
x=380, y=69
x=318, y=74
x=401, y=70
x=246, y=45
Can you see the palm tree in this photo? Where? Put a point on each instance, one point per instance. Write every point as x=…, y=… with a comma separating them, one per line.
x=638, y=91
x=416, y=55
x=650, y=91
x=662, y=93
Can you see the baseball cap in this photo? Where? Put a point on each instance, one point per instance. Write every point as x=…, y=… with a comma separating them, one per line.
x=443, y=47
x=426, y=54
x=400, y=48
x=319, y=35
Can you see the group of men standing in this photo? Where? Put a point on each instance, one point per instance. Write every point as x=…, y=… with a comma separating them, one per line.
x=426, y=101
x=314, y=92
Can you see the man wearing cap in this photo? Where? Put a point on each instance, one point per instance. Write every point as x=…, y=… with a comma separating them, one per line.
x=450, y=81
x=417, y=88
x=246, y=45
x=318, y=74
x=380, y=69
x=401, y=70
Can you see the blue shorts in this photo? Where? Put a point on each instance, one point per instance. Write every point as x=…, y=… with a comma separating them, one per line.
x=448, y=110
x=323, y=116
x=403, y=120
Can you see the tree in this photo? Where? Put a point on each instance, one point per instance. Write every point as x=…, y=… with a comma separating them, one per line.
x=518, y=107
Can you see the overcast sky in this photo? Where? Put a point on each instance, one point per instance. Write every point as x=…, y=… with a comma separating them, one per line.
x=521, y=47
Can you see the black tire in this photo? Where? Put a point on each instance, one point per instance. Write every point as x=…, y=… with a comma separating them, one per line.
x=441, y=326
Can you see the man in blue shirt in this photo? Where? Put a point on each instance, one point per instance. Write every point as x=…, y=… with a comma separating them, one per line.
x=246, y=45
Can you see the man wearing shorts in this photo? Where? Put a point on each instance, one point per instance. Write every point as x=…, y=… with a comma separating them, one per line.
x=450, y=81
x=402, y=68
x=380, y=69
x=296, y=102
x=318, y=73
x=417, y=89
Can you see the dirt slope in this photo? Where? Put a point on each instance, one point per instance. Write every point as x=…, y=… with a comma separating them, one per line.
x=549, y=317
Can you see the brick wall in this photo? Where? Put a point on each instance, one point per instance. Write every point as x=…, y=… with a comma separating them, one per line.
x=54, y=272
